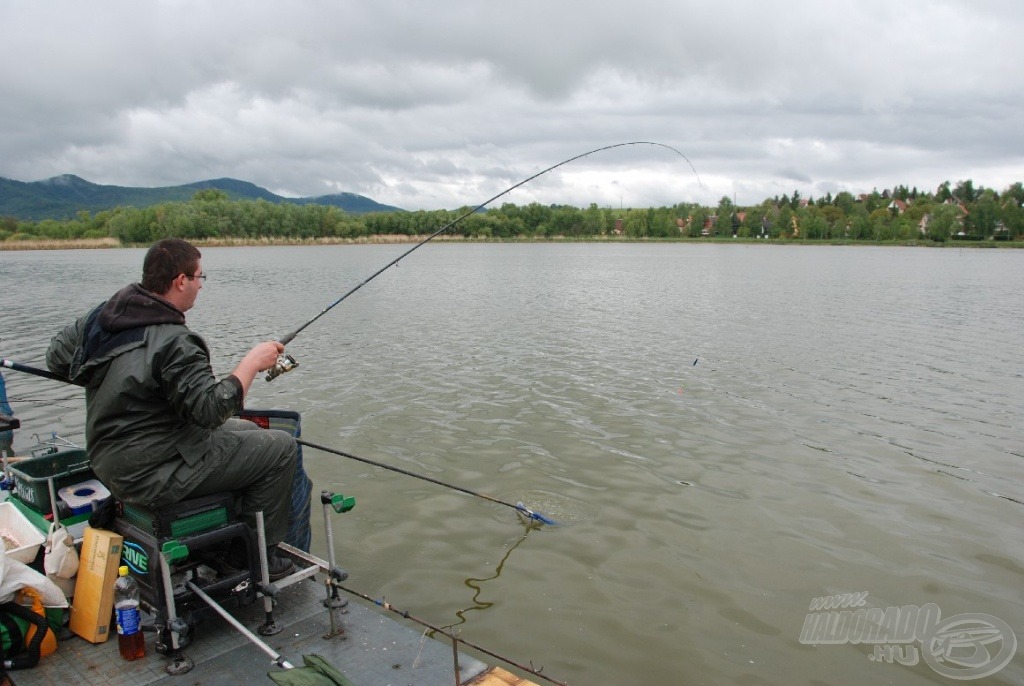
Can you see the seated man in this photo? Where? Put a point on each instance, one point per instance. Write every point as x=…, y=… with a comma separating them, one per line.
x=157, y=427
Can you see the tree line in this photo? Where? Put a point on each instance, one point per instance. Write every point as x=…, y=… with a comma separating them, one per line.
x=960, y=212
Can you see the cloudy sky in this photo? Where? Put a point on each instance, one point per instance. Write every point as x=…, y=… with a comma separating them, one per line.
x=428, y=105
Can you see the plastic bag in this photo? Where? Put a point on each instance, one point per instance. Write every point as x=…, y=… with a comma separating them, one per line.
x=15, y=575
x=61, y=558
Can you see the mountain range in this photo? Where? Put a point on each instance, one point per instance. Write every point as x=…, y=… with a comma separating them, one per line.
x=62, y=197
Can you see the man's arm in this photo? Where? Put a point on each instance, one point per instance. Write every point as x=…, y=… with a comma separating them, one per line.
x=61, y=352
x=189, y=385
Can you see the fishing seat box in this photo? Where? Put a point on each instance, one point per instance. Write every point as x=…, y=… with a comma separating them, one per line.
x=206, y=526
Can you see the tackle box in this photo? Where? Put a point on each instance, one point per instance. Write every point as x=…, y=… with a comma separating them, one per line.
x=32, y=476
x=188, y=517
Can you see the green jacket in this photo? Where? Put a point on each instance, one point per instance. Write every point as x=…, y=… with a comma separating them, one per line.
x=153, y=405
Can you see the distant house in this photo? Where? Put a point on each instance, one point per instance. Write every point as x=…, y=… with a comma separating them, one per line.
x=709, y=226
x=953, y=201
x=897, y=206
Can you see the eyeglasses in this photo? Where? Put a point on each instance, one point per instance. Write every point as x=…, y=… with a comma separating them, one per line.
x=197, y=276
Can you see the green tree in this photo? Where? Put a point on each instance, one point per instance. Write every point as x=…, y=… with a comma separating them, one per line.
x=593, y=220
x=983, y=216
x=1015, y=193
x=566, y=221
x=964, y=191
x=723, y=217
x=943, y=222
x=1013, y=217
x=813, y=224
x=835, y=220
x=210, y=195
x=698, y=215
x=846, y=202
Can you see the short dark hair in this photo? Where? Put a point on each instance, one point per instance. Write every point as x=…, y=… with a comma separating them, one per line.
x=165, y=259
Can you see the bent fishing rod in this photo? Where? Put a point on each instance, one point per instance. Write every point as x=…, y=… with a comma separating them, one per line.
x=518, y=507
x=286, y=362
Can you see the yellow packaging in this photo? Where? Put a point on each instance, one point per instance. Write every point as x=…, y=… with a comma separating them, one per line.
x=30, y=597
x=93, y=603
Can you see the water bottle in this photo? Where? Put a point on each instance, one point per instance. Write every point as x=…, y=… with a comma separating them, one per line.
x=130, y=640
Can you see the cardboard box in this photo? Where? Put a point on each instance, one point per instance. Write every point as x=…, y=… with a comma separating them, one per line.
x=94, y=590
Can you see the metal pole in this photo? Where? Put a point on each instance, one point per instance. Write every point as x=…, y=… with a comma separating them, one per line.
x=53, y=500
x=455, y=657
x=276, y=657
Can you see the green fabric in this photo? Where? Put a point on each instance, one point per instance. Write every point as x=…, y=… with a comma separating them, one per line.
x=317, y=672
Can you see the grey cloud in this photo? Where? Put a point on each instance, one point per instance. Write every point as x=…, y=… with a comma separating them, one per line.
x=444, y=105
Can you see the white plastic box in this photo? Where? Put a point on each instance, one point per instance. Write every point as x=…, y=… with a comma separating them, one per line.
x=20, y=539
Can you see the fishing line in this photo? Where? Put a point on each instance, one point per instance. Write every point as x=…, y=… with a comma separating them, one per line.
x=287, y=362
x=477, y=587
x=518, y=507
x=535, y=671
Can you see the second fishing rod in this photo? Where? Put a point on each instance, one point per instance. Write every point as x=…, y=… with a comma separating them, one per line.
x=286, y=362
x=518, y=507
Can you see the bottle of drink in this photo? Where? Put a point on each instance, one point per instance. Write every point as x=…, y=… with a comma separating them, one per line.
x=130, y=639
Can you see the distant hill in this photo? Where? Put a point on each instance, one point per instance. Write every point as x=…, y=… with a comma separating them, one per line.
x=62, y=197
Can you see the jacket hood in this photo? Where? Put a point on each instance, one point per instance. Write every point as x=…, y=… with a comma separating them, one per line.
x=134, y=306
x=117, y=326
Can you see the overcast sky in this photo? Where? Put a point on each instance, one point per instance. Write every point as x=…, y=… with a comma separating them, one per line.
x=428, y=105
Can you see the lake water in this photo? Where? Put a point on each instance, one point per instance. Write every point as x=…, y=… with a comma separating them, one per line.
x=726, y=432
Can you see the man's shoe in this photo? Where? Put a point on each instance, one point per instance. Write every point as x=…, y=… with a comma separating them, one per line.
x=278, y=567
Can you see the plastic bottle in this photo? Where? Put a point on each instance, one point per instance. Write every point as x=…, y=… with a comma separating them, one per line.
x=130, y=639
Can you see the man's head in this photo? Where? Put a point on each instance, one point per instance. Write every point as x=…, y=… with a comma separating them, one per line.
x=172, y=269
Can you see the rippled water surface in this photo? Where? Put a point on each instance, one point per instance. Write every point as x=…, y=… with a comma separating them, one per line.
x=726, y=432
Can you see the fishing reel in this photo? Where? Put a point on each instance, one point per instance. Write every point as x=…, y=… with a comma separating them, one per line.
x=285, y=363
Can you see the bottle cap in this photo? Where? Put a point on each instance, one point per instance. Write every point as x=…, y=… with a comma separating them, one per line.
x=122, y=570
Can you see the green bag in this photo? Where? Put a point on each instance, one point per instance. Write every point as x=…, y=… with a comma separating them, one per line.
x=12, y=635
x=15, y=620
x=317, y=672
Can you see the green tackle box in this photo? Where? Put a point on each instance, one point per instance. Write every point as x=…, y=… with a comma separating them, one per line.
x=186, y=518
x=31, y=476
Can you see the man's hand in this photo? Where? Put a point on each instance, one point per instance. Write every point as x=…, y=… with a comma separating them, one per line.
x=263, y=356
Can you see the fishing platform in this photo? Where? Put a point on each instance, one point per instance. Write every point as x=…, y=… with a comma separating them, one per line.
x=300, y=616
x=374, y=650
